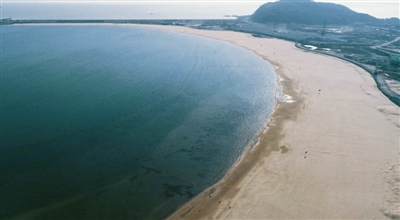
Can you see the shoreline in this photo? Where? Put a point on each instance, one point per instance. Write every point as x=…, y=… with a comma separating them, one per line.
x=273, y=127
x=257, y=186
x=270, y=134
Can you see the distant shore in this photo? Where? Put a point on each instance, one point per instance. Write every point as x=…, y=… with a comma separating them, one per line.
x=330, y=151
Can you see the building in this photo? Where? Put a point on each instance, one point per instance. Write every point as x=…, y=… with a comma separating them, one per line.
x=394, y=59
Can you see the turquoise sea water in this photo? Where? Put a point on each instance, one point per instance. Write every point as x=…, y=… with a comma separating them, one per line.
x=118, y=122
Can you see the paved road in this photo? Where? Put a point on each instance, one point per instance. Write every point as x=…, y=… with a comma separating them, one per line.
x=387, y=43
x=384, y=88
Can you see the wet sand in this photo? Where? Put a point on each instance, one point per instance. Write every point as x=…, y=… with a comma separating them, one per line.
x=330, y=150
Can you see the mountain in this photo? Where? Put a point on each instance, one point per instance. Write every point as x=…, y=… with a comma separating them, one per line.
x=308, y=12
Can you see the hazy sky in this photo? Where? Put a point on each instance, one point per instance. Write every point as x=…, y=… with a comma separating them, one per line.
x=194, y=8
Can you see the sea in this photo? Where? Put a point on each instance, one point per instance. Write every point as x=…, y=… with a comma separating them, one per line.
x=126, y=9
x=121, y=122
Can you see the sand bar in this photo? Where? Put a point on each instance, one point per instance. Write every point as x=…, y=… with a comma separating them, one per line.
x=331, y=151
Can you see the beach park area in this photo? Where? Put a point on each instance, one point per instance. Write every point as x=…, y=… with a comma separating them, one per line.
x=329, y=150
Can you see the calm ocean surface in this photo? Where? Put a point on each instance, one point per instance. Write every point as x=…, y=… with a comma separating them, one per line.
x=118, y=122
x=125, y=9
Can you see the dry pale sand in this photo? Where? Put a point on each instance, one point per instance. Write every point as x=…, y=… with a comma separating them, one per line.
x=331, y=152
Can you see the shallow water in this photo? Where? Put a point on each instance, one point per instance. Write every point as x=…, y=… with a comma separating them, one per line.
x=119, y=122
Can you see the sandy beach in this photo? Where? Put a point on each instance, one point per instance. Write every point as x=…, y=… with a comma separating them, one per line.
x=330, y=149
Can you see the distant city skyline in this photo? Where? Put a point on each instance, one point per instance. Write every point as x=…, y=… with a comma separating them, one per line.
x=169, y=9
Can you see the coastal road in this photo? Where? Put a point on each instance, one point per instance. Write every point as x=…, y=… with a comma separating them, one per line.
x=380, y=80
x=387, y=43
